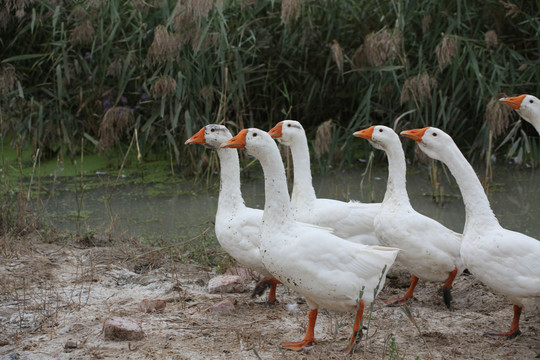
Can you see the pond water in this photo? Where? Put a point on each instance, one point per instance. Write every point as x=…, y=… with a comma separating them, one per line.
x=180, y=210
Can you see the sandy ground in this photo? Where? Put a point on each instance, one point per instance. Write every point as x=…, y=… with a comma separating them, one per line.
x=54, y=299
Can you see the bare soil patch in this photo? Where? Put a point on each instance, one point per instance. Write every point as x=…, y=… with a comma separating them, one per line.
x=55, y=297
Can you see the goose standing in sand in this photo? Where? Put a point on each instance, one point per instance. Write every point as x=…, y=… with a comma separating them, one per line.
x=506, y=261
x=237, y=226
x=431, y=251
x=328, y=271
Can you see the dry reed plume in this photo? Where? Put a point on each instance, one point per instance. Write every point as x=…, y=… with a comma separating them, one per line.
x=446, y=51
x=189, y=12
x=78, y=14
x=8, y=79
x=323, y=137
x=116, y=120
x=290, y=11
x=140, y=5
x=163, y=87
x=114, y=69
x=497, y=116
x=511, y=9
x=381, y=47
x=417, y=87
x=200, y=8
x=337, y=54
x=164, y=47
x=15, y=8
x=186, y=21
x=491, y=39
x=82, y=34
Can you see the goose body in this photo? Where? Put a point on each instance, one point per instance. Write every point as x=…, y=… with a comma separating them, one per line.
x=431, y=251
x=351, y=220
x=527, y=106
x=237, y=226
x=328, y=271
x=505, y=260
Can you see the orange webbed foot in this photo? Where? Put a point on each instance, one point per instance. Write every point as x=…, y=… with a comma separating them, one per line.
x=407, y=297
x=497, y=334
x=297, y=345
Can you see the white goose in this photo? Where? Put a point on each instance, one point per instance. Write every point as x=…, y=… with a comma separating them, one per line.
x=528, y=106
x=505, y=260
x=350, y=220
x=328, y=271
x=431, y=251
x=237, y=226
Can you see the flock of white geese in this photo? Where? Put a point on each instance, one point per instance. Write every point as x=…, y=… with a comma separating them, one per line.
x=336, y=254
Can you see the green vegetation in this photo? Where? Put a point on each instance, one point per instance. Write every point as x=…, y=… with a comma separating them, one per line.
x=106, y=74
x=116, y=87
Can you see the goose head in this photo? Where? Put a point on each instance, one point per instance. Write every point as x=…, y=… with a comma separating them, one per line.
x=527, y=106
x=432, y=141
x=211, y=136
x=379, y=136
x=287, y=132
x=256, y=142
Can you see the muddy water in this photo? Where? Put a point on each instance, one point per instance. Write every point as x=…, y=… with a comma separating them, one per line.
x=181, y=211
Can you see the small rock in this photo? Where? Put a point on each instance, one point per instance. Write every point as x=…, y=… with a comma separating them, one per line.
x=119, y=329
x=4, y=341
x=151, y=305
x=70, y=345
x=226, y=284
x=225, y=305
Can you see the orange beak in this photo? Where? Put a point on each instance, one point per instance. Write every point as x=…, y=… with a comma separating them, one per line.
x=366, y=133
x=415, y=134
x=276, y=131
x=237, y=142
x=513, y=102
x=198, y=138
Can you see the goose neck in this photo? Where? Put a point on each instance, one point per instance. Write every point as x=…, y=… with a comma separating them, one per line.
x=534, y=119
x=277, y=203
x=303, y=184
x=230, y=192
x=477, y=207
x=396, y=188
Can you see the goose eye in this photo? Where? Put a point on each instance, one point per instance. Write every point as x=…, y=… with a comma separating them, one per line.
x=434, y=134
x=531, y=101
x=380, y=130
x=255, y=134
x=212, y=130
x=289, y=125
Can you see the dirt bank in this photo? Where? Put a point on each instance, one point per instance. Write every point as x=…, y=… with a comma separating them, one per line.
x=54, y=299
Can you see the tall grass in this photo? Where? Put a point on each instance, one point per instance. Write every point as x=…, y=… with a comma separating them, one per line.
x=100, y=70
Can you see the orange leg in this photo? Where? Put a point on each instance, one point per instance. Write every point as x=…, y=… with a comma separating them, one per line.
x=263, y=284
x=272, y=294
x=514, y=328
x=408, y=295
x=310, y=334
x=356, y=328
x=447, y=295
